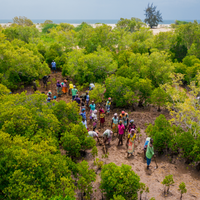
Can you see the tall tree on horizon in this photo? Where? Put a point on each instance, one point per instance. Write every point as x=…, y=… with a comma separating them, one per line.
x=153, y=17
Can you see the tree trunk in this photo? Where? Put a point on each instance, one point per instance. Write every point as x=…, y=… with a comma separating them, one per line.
x=159, y=108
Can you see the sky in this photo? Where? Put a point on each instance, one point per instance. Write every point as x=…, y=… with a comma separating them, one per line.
x=97, y=9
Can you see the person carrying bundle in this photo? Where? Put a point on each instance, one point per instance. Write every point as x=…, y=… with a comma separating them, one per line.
x=64, y=88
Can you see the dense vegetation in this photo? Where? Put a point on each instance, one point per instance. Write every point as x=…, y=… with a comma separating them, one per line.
x=135, y=67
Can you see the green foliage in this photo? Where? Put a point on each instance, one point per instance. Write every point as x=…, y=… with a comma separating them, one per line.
x=131, y=25
x=47, y=27
x=81, y=26
x=116, y=180
x=89, y=68
x=35, y=171
x=20, y=65
x=22, y=21
x=98, y=163
x=153, y=16
x=177, y=22
x=71, y=144
x=159, y=97
x=94, y=151
x=168, y=181
x=77, y=135
x=119, y=89
x=4, y=90
x=161, y=132
x=118, y=197
x=61, y=198
x=86, y=176
x=66, y=113
x=97, y=94
x=182, y=188
x=26, y=33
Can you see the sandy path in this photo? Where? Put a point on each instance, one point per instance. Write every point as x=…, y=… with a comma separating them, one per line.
x=152, y=178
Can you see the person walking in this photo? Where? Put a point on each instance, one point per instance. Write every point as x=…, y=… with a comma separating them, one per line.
x=145, y=146
x=34, y=85
x=131, y=125
x=64, y=88
x=53, y=66
x=92, y=108
x=74, y=91
x=114, y=124
x=121, y=129
x=131, y=142
x=124, y=117
x=149, y=152
x=59, y=88
x=77, y=99
x=87, y=99
x=108, y=104
x=83, y=113
x=70, y=87
x=102, y=116
x=45, y=80
x=107, y=136
x=84, y=122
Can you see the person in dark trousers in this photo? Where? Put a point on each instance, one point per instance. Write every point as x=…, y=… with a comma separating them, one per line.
x=45, y=80
x=78, y=100
x=34, y=85
x=53, y=66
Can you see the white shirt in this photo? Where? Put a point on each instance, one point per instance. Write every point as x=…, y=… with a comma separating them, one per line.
x=92, y=134
x=84, y=123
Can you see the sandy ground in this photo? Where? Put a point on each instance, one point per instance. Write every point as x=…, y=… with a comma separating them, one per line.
x=152, y=178
x=160, y=28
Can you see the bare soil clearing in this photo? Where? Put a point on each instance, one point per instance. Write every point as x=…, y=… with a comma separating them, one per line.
x=152, y=178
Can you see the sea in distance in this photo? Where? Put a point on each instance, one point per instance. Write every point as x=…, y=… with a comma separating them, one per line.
x=89, y=21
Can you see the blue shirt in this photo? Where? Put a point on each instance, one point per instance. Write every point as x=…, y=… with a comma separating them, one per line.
x=87, y=97
x=83, y=115
x=53, y=64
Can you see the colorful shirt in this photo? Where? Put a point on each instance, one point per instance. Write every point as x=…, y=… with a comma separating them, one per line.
x=121, y=129
x=131, y=137
x=150, y=151
x=131, y=127
x=102, y=113
x=108, y=103
x=92, y=107
x=124, y=119
x=74, y=91
x=115, y=121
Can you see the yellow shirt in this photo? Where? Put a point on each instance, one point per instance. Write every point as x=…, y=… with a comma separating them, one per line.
x=70, y=86
x=132, y=138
